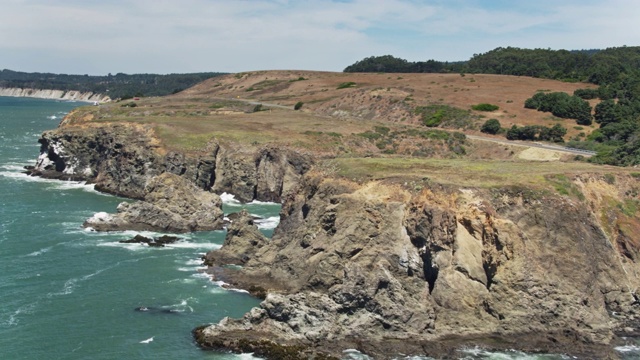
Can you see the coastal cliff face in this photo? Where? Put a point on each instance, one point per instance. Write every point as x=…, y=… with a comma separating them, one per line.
x=386, y=270
x=387, y=266
x=121, y=158
x=54, y=94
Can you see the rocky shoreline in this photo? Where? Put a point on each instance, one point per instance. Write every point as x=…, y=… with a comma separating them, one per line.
x=377, y=266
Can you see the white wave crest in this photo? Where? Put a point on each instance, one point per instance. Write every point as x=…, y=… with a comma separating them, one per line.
x=147, y=341
x=628, y=348
x=193, y=245
x=12, y=167
x=40, y=252
x=198, y=262
x=17, y=174
x=268, y=223
x=258, y=202
x=13, y=318
x=229, y=199
x=248, y=356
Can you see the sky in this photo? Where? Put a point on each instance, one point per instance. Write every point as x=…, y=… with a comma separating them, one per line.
x=98, y=37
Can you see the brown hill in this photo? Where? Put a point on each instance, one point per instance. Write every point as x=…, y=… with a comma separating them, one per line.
x=391, y=97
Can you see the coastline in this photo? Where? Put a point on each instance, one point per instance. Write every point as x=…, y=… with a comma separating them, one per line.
x=385, y=260
x=70, y=95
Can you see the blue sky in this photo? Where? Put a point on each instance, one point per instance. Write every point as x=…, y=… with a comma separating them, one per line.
x=176, y=36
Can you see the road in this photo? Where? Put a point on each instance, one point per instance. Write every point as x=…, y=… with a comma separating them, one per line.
x=564, y=149
x=535, y=145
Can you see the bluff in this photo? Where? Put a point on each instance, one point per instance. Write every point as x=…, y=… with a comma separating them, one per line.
x=71, y=95
x=388, y=270
x=121, y=158
x=380, y=249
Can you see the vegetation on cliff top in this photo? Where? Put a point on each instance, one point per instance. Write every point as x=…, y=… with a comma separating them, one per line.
x=615, y=70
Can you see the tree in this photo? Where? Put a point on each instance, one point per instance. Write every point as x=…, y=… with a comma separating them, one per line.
x=605, y=113
x=491, y=126
x=298, y=105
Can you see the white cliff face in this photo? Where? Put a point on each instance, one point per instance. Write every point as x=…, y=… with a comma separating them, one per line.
x=54, y=94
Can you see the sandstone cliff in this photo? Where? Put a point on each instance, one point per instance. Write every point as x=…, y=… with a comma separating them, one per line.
x=387, y=271
x=72, y=95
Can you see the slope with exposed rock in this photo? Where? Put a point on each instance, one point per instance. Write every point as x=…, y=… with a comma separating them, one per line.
x=394, y=238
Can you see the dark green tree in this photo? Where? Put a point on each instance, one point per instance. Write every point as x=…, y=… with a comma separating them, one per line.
x=491, y=126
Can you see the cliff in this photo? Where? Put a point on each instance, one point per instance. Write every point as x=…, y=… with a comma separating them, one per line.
x=71, y=95
x=393, y=239
x=121, y=158
x=389, y=270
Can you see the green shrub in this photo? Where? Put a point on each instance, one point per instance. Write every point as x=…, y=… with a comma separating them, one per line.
x=370, y=135
x=485, y=107
x=435, y=115
x=298, y=105
x=491, y=126
x=382, y=130
x=257, y=108
x=345, y=85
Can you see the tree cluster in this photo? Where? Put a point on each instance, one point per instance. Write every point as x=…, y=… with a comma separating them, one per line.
x=390, y=64
x=562, y=105
x=615, y=70
x=555, y=133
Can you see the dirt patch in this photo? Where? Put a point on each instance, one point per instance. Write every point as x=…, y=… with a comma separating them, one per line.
x=537, y=154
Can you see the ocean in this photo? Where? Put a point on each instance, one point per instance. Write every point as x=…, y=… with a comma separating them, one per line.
x=69, y=293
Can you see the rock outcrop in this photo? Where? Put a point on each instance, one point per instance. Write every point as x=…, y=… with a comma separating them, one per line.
x=242, y=241
x=71, y=95
x=388, y=271
x=170, y=204
x=121, y=158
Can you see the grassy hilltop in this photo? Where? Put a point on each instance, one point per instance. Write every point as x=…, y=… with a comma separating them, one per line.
x=366, y=126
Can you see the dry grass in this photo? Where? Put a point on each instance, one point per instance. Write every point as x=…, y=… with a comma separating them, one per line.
x=393, y=96
x=331, y=119
x=464, y=172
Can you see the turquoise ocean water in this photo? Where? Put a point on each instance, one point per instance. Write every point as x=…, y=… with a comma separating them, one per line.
x=68, y=293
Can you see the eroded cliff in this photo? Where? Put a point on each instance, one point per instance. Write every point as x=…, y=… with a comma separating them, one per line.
x=71, y=95
x=121, y=158
x=384, y=252
x=387, y=270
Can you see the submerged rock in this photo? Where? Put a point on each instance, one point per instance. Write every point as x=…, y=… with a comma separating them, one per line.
x=153, y=242
x=171, y=204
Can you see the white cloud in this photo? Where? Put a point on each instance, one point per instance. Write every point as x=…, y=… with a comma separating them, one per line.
x=76, y=36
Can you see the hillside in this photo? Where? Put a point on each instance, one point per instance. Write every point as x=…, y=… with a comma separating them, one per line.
x=391, y=97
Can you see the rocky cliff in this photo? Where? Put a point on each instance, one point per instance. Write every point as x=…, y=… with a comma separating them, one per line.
x=387, y=270
x=376, y=261
x=71, y=95
x=171, y=204
x=121, y=159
